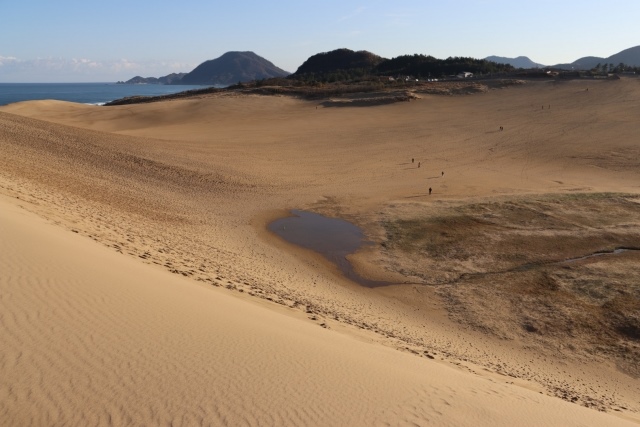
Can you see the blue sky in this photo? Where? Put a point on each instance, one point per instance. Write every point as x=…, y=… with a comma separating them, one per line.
x=101, y=41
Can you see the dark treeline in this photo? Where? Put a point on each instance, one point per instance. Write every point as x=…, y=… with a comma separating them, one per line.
x=338, y=75
x=610, y=68
x=346, y=65
x=422, y=66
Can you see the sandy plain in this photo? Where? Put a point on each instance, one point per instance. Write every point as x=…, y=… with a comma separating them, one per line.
x=496, y=319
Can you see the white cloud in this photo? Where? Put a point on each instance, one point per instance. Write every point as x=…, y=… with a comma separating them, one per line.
x=84, y=69
x=84, y=63
x=6, y=60
x=124, y=65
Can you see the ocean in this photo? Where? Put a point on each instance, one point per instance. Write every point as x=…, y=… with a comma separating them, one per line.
x=85, y=93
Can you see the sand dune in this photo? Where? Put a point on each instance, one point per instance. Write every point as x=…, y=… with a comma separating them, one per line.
x=104, y=334
x=93, y=337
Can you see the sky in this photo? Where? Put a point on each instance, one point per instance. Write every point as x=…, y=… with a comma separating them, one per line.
x=106, y=41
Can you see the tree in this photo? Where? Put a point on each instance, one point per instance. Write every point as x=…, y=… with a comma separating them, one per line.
x=619, y=68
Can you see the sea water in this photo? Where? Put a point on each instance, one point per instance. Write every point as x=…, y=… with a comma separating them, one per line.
x=85, y=93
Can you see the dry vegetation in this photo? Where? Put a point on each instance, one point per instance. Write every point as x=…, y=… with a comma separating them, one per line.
x=549, y=259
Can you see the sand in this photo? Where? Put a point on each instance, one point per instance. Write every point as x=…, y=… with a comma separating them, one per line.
x=248, y=330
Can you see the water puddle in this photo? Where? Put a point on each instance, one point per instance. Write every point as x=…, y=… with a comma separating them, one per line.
x=333, y=238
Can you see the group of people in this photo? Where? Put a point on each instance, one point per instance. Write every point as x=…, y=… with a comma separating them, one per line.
x=413, y=160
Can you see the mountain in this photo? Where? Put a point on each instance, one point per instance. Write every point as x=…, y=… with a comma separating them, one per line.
x=629, y=57
x=519, y=62
x=231, y=68
x=339, y=60
x=171, y=79
x=347, y=65
x=584, y=63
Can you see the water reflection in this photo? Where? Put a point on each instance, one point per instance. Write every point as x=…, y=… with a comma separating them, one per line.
x=333, y=238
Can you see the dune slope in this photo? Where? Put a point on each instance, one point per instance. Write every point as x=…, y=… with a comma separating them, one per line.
x=92, y=337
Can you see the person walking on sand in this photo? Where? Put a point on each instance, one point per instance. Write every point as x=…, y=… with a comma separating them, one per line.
x=442, y=174
x=412, y=160
x=418, y=164
x=429, y=190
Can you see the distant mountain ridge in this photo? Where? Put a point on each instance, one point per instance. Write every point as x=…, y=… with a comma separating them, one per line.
x=519, y=62
x=340, y=64
x=584, y=63
x=630, y=57
x=170, y=79
x=228, y=69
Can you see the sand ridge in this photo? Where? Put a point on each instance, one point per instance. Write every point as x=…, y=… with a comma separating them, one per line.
x=189, y=185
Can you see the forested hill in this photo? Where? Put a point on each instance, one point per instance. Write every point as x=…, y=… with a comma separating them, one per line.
x=345, y=64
